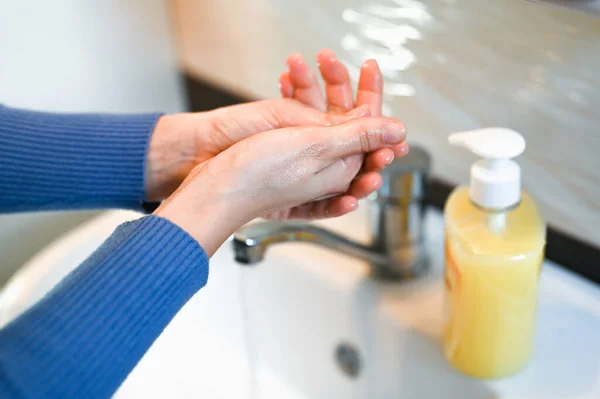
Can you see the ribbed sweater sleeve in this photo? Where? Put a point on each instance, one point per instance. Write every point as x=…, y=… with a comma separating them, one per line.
x=54, y=161
x=87, y=334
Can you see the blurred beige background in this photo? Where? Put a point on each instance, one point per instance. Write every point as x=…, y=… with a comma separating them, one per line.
x=449, y=65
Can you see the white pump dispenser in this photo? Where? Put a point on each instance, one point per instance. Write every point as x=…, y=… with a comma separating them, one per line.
x=496, y=179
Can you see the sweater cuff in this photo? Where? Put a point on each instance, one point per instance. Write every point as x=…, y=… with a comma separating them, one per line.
x=73, y=161
x=88, y=333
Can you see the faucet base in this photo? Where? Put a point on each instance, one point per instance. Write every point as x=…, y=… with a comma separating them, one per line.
x=392, y=273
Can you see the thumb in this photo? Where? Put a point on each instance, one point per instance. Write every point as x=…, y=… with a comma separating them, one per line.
x=364, y=135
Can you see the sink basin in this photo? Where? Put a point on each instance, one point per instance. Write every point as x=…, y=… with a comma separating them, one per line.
x=275, y=330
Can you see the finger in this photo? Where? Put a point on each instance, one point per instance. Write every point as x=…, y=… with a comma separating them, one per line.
x=304, y=80
x=338, y=88
x=309, y=211
x=328, y=208
x=401, y=149
x=370, y=87
x=285, y=85
x=378, y=160
x=357, y=136
x=365, y=184
x=276, y=114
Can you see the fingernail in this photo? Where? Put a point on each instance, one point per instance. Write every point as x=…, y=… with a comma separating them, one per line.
x=388, y=160
x=366, y=64
x=328, y=53
x=404, y=148
x=394, y=133
x=294, y=58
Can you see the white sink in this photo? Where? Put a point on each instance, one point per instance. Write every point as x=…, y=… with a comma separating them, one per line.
x=270, y=330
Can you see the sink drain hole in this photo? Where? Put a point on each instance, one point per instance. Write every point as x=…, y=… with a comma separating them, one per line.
x=348, y=359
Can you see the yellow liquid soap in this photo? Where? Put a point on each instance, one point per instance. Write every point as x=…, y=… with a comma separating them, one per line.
x=491, y=278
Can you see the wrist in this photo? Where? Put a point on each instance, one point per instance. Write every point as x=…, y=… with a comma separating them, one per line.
x=205, y=210
x=171, y=155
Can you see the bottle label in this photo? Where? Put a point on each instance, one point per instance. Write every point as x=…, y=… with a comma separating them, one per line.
x=452, y=280
x=452, y=273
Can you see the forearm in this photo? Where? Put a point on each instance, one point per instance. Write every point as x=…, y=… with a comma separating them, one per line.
x=72, y=161
x=88, y=333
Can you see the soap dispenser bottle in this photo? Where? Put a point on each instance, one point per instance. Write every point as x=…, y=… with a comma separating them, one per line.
x=495, y=240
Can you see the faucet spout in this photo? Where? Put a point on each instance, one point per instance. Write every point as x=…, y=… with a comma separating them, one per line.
x=251, y=242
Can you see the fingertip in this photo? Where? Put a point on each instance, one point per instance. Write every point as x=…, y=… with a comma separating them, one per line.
x=348, y=203
x=304, y=81
x=285, y=85
x=370, y=79
x=388, y=157
x=335, y=73
x=326, y=52
x=352, y=203
x=326, y=56
x=366, y=184
x=373, y=181
x=401, y=149
x=341, y=205
x=294, y=59
x=371, y=64
x=298, y=68
x=284, y=77
x=377, y=182
x=378, y=159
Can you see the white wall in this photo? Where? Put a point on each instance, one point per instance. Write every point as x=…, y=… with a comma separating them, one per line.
x=80, y=55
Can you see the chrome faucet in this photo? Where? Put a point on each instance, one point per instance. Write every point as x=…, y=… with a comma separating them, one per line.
x=397, y=248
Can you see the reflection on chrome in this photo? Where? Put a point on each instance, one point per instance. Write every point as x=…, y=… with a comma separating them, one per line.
x=381, y=31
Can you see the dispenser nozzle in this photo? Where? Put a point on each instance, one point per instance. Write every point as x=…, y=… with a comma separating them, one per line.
x=495, y=179
x=491, y=143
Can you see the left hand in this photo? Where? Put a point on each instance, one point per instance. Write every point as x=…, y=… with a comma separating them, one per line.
x=300, y=83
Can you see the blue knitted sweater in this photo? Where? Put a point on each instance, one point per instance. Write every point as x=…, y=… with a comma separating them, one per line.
x=84, y=337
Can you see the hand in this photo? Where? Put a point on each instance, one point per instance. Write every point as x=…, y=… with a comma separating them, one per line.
x=300, y=83
x=182, y=141
x=274, y=170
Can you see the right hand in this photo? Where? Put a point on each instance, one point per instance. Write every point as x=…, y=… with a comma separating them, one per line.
x=275, y=170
